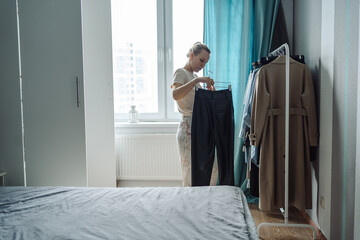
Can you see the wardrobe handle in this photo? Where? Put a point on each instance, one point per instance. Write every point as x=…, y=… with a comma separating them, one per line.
x=169, y=54
x=161, y=55
x=77, y=92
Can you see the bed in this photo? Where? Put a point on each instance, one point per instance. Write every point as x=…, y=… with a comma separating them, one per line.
x=216, y=212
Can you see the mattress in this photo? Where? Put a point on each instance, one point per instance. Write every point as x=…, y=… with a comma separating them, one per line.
x=215, y=212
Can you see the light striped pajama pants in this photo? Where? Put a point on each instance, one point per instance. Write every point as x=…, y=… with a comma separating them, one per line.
x=183, y=138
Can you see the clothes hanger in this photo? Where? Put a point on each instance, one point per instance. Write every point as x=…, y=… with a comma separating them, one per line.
x=222, y=85
x=269, y=59
x=217, y=86
x=280, y=51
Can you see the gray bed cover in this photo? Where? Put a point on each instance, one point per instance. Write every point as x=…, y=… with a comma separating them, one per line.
x=218, y=212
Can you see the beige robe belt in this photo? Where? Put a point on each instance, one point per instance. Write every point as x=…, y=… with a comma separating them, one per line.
x=280, y=112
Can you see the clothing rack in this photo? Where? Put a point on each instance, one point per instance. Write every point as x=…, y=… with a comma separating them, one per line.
x=285, y=212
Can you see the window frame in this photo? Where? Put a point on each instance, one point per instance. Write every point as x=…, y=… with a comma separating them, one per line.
x=171, y=114
x=165, y=61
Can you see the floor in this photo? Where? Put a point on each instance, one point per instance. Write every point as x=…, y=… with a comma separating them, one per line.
x=282, y=233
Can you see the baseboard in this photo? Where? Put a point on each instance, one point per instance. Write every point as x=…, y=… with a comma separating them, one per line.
x=319, y=234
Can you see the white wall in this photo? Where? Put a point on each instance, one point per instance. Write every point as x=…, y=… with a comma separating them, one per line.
x=346, y=44
x=326, y=112
x=336, y=68
x=99, y=106
x=307, y=41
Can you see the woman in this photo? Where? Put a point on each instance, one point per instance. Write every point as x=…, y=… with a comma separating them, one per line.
x=184, y=83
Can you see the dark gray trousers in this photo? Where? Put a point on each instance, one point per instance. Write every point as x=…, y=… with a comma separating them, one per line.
x=212, y=126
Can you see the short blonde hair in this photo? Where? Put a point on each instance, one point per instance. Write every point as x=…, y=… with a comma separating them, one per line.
x=197, y=48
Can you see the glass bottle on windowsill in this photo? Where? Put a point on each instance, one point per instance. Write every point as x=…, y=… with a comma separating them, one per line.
x=133, y=115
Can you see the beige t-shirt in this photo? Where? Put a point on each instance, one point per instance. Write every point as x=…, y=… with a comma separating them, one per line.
x=185, y=105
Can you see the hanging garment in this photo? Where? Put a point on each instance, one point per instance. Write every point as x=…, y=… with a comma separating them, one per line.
x=254, y=180
x=268, y=133
x=212, y=126
x=251, y=152
x=247, y=103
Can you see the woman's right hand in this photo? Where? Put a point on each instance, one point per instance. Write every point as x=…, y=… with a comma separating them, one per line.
x=209, y=82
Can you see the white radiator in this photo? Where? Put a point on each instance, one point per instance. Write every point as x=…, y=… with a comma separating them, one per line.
x=147, y=157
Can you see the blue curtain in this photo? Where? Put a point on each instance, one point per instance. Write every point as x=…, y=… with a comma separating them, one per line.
x=265, y=13
x=237, y=33
x=227, y=32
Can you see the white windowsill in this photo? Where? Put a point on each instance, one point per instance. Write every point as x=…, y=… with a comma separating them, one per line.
x=146, y=128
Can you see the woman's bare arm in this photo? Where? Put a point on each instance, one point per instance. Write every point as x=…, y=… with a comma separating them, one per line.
x=181, y=90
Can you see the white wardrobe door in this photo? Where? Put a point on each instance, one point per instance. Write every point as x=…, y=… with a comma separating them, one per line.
x=51, y=61
x=99, y=108
x=11, y=148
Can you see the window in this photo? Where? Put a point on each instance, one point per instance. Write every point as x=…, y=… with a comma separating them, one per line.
x=150, y=40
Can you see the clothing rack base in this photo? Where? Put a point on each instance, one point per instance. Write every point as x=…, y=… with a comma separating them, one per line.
x=287, y=225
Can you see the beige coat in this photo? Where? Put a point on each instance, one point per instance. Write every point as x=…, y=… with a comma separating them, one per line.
x=268, y=133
